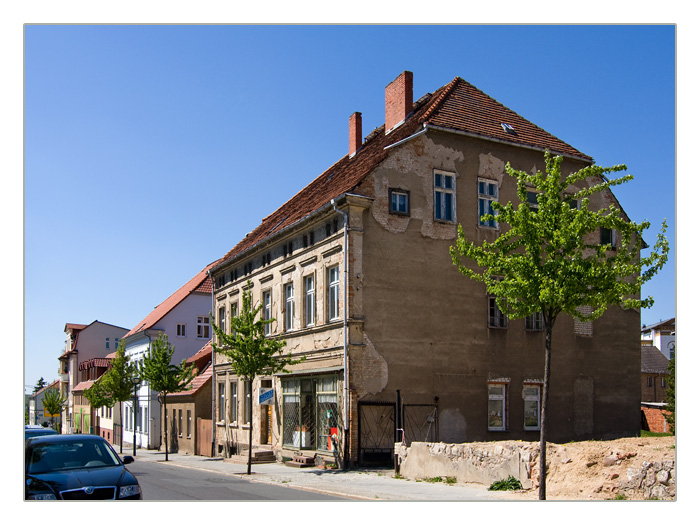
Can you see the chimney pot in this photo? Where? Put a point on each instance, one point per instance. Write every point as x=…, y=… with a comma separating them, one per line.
x=355, y=132
x=398, y=98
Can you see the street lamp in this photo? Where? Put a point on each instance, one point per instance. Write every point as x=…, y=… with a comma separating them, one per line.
x=135, y=380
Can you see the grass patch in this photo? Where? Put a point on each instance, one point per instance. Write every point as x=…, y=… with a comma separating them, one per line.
x=450, y=480
x=648, y=434
x=510, y=483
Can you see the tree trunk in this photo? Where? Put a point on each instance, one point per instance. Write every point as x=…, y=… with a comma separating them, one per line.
x=548, y=324
x=165, y=410
x=250, y=427
x=121, y=427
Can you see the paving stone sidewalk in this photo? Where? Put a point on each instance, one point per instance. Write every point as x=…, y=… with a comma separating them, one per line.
x=360, y=484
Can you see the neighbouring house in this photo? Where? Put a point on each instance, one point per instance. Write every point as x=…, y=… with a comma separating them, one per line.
x=85, y=416
x=189, y=411
x=83, y=343
x=37, y=414
x=356, y=271
x=184, y=319
x=662, y=335
x=654, y=375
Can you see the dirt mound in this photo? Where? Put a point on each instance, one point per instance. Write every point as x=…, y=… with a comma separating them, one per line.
x=633, y=468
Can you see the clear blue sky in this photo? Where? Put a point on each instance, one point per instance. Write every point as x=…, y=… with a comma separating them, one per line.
x=133, y=134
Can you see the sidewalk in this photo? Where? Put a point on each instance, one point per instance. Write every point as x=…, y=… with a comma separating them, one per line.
x=361, y=484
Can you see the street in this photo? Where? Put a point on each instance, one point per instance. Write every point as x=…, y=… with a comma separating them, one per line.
x=161, y=482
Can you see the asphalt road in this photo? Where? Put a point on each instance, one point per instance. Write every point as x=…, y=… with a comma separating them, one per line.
x=169, y=483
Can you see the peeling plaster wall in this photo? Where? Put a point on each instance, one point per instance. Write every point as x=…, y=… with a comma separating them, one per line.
x=428, y=323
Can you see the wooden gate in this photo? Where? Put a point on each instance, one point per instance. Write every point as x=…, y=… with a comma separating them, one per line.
x=203, y=438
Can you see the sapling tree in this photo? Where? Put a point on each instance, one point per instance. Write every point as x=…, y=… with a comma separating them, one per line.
x=54, y=403
x=550, y=258
x=164, y=377
x=114, y=386
x=250, y=351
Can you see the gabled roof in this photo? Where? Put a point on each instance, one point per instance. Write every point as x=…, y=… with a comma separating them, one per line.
x=54, y=384
x=195, y=285
x=83, y=385
x=457, y=106
x=197, y=384
x=653, y=361
x=668, y=323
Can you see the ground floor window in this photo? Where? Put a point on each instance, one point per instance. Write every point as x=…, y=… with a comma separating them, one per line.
x=310, y=413
x=531, y=398
x=497, y=406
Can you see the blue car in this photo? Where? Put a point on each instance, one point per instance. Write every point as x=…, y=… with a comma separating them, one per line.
x=76, y=467
x=37, y=430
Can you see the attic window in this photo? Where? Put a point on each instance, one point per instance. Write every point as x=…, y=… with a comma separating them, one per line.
x=508, y=128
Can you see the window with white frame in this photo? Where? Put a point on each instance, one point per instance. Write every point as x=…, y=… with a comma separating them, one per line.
x=309, y=301
x=497, y=319
x=267, y=311
x=233, y=401
x=289, y=307
x=488, y=194
x=533, y=322
x=222, y=401
x=399, y=202
x=444, y=197
x=531, y=400
x=222, y=318
x=333, y=293
x=497, y=406
x=203, y=327
x=234, y=313
x=181, y=330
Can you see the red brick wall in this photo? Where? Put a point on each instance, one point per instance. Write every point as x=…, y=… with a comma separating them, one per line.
x=655, y=419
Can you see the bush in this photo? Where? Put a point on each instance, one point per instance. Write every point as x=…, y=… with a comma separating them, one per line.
x=510, y=483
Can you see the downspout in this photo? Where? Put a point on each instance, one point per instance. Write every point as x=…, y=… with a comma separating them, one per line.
x=213, y=374
x=346, y=388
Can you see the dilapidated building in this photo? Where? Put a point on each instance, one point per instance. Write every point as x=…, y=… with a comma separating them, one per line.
x=356, y=271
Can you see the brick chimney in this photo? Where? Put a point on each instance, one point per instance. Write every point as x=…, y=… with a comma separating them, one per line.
x=398, y=98
x=355, y=132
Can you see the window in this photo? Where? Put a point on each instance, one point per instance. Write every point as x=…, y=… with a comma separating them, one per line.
x=248, y=393
x=608, y=237
x=534, y=322
x=649, y=381
x=181, y=332
x=222, y=319
x=267, y=311
x=116, y=343
x=288, y=307
x=497, y=407
x=488, y=194
x=497, y=319
x=233, y=406
x=309, y=301
x=532, y=200
x=444, y=197
x=189, y=424
x=531, y=398
x=399, y=202
x=222, y=401
x=234, y=313
x=310, y=413
x=333, y=293
x=179, y=423
x=203, y=327
x=107, y=343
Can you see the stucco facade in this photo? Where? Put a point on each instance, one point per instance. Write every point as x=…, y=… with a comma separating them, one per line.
x=400, y=340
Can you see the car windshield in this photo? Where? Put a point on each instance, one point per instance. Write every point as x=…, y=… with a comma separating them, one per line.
x=51, y=456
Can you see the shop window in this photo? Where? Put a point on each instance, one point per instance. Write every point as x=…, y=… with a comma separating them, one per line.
x=310, y=413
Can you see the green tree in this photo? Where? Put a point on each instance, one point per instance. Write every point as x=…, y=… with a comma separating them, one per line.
x=250, y=351
x=549, y=259
x=671, y=395
x=163, y=376
x=114, y=386
x=39, y=385
x=54, y=402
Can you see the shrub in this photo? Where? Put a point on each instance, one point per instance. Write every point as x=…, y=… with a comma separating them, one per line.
x=510, y=483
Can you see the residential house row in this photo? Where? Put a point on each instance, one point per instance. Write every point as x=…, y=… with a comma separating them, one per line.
x=355, y=270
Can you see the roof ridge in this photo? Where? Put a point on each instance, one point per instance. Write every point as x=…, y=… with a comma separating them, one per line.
x=448, y=88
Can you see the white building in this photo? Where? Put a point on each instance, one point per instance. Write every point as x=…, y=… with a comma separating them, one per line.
x=37, y=414
x=662, y=335
x=184, y=319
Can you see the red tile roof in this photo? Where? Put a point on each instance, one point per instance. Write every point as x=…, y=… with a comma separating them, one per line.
x=83, y=385
x=194, y=285
x=54, y=384
x=457, y=106
x=197, y=383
